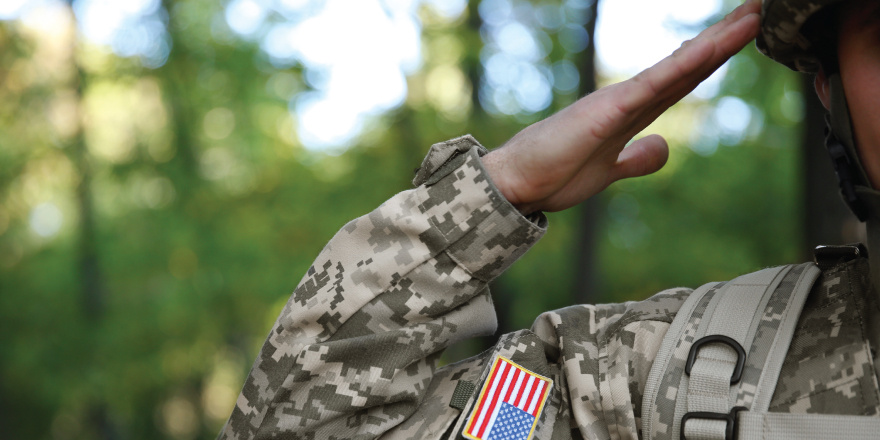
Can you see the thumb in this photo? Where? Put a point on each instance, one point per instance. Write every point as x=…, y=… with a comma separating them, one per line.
x=644, y=156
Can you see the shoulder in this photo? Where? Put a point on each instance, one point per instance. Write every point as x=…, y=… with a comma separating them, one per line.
x=829, y=367
x=605, y=353
x=600, y=322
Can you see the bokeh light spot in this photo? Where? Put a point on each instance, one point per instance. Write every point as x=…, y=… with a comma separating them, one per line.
x=218, y=123
x=565, y=76
x=449, y=9
x=46, y=219
x=732, y=117
x=574, y=38
x=10, y=9
x=245, y=16
x=179, y=418
x=628, y=42
x=130, y=28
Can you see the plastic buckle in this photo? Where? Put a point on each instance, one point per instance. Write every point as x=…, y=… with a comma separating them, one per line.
x=730, y=418
x=740, y=354
x=827, y=256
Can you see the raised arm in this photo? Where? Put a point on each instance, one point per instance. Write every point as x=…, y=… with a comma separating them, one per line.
x=569, y=157
x=356, y=346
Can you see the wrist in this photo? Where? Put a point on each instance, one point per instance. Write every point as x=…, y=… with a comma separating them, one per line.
x=496, y=167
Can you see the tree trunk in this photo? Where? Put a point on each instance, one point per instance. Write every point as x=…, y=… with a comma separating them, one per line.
x=586, y=281
x=91, y=283
x=472, y=65
x=92, y=286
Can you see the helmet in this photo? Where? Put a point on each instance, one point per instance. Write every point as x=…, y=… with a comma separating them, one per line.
x=783, y=36
x=790, y=37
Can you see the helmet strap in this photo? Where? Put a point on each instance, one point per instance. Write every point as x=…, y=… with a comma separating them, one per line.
x=841, y=147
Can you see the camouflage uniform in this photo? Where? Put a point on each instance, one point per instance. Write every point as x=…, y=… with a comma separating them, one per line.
x=354, y=353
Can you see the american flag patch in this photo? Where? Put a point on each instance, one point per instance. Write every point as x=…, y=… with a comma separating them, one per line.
x=509, y=404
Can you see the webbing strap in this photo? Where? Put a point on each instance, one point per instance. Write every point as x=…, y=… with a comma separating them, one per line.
x=782, y=340
x=783, y=426
x=736, y=315
x=719, y=325
x=665, y=355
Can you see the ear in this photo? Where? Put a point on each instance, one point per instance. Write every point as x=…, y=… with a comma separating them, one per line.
x=823, y=89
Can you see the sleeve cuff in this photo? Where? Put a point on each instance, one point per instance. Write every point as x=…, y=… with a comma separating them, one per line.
x=473, y=222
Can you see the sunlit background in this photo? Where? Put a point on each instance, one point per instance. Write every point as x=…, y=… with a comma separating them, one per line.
x=168, y=169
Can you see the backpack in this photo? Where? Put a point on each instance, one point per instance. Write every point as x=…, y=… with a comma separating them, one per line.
x=718, y=366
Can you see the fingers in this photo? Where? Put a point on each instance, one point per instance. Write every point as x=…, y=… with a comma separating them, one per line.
x=627, y=108
x=586, y=152
x=749, y=7
x=624, y=109
x=625, y=104
x=644, y=156
x=675, y=75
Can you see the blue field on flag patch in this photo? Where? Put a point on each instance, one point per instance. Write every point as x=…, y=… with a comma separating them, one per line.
x=512, y=424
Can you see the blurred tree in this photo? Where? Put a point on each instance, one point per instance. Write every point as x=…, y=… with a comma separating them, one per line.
x=172, y=196
x=589, y=213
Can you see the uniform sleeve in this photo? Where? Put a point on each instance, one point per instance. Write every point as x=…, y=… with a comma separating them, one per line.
x=355, y=347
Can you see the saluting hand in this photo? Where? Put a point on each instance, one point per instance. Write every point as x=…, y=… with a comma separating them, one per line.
x=567, y=158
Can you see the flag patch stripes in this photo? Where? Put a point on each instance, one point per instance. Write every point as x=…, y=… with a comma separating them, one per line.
x=509, y=404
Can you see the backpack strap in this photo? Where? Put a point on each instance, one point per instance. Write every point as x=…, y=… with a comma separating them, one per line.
x=785, y=426
x=658, y=410
x=696, y=380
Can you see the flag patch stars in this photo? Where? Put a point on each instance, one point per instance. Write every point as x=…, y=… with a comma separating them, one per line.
x=512, y=424
x=509, y=404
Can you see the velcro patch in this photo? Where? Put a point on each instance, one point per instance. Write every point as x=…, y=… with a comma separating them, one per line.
x=509, y=403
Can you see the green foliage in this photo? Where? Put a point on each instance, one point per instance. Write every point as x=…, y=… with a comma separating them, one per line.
x=188, y=190
x=711, y=218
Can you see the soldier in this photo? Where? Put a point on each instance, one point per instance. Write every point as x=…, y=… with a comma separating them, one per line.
x=354, y=352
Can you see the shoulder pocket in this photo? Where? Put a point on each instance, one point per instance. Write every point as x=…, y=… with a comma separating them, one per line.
x=518, y=390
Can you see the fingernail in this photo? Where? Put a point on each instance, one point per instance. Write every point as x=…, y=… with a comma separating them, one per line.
x=746, y=4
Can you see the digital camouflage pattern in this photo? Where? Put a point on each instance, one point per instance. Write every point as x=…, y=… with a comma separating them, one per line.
x=355, y=348
x=354, y=352
x=674, y=392
x=663, y=424
x=781, y=38
x=832, y=332
x=770, y=322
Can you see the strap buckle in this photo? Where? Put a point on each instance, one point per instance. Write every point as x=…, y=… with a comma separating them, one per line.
x=827, y=256
x=730, y=418
x=740, y=354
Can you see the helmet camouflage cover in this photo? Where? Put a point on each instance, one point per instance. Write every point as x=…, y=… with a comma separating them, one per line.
x=781, y=36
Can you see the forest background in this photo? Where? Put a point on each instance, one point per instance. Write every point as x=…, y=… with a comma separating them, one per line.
x=169, y=169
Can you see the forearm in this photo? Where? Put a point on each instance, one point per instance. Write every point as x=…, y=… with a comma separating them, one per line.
x=356, y=345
